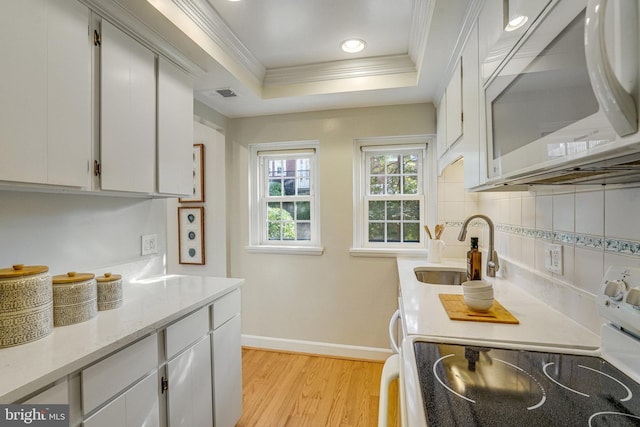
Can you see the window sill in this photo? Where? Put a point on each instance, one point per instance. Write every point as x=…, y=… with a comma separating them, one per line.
x=386, y=252
x=285, y=250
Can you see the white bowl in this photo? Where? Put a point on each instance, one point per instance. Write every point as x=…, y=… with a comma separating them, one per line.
x=488, y=294
x=476, y=304
x=476, y=285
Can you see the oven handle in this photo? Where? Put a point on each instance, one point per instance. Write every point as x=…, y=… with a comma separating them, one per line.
x=390, y=371
x=392, y=331
x=617, y=104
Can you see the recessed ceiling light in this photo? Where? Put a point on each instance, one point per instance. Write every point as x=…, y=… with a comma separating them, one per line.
x=353, y=45
x=516, y=23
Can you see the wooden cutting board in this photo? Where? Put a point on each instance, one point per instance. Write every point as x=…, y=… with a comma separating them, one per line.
x=457, y=310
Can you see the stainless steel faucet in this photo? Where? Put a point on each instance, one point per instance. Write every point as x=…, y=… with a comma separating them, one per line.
x=492, y=261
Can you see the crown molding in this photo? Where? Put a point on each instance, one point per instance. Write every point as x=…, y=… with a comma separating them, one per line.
x=420, y=27
x=208, y=20
x=336, y=70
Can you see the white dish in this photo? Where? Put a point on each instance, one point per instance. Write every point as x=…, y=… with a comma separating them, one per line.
x=478, y=304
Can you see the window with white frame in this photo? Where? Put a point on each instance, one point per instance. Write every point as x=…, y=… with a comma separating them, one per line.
x=285, y=197
x=389, y=205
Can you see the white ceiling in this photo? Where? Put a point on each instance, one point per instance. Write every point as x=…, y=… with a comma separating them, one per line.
x=282, y=56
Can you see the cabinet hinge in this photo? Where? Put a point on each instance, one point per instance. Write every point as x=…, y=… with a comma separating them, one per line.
x=97, y=38
x=462, y=117
x=164, y=385
x=96, y=168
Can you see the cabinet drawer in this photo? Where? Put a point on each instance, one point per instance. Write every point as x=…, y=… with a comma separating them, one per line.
x=187, y=331
x=106, y=378
x=56, y=395
x=226, y=307
x=137, y=407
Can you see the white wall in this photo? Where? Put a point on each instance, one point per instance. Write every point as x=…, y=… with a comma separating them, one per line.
x=76, y=232
x=332, y=298
x=596, y=227
x=215, y=213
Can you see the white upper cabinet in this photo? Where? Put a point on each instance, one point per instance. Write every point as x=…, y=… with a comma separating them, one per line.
x=45, y=92
x=473, y=145
x=175, y=130
x=454, y=106
x=127, y=113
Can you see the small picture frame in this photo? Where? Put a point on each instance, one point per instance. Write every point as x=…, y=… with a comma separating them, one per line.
x=198, y=176
x=191, y=235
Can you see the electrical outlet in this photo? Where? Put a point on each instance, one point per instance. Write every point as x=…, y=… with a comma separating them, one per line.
x=553, y=258
x=149, y=244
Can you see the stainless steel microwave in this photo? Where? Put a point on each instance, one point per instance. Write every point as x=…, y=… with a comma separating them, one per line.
x=562, y=108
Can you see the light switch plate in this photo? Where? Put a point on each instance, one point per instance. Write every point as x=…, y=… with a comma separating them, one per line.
x=149, y=244
x=553, y=258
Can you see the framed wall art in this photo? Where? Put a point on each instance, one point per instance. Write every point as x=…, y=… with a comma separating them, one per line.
x=191, y=235
x=198, y=176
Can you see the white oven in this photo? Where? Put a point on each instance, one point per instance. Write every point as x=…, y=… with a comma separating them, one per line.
x=471, y=382
x=567, y=95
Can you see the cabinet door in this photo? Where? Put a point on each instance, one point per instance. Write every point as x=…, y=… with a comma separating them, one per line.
x=128, y=110
x=23, y=88
x=175, y=130
x=473, y=148
x=227, y=373
x=189, y=398
x=68, y=93
x=454, y=106
x=441, y=127
x=138, y=406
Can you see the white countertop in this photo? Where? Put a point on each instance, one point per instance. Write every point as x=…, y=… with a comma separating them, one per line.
x=540, y=325
x=147, y=308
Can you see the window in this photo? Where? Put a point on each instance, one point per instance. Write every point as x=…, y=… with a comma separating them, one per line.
x=284, y=194
x=390, y=181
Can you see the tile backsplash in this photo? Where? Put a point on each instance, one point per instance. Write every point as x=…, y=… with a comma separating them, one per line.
x=597, y=228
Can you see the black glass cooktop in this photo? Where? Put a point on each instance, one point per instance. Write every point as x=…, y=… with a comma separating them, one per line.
x=478, y=386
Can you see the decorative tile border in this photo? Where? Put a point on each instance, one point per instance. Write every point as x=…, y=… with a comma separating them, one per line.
x=623, y=247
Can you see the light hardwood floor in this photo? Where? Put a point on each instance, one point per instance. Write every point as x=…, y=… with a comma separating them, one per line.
x=287, y=389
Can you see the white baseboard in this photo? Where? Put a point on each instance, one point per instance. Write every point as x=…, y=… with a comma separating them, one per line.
x=314, y=347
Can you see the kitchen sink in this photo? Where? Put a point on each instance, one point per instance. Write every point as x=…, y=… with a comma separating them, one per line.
x=434, y=276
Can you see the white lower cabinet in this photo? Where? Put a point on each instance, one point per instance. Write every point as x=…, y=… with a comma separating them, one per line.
x=227, y=373
x=138, y=406
x=189, y=397
x=227, y=360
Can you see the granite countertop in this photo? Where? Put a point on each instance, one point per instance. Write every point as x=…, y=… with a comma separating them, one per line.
x=540, y=325
x=149, y=305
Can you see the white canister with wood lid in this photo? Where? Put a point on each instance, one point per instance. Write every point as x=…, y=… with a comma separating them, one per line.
x=74, y=298
x=26, y=305
x=109, y=291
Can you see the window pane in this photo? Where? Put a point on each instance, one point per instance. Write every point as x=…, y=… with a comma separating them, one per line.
x=376, y=232
x=410, y=163
x=410, y=184
x=411, y=210
x=275, y=187
x=411, y=232
x=303, y=210
x=274, y=231
x=289, y=187
x=393, y=210
x=393, y=232
x=304, y=231
x=393, y=185
x=377, y=165
x=376, y=210
x=288, y=230
x=275, y=167
x=393, y=164
x=289, y=207
x=274, y=213
x=376, y=185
